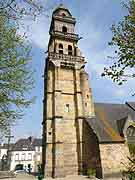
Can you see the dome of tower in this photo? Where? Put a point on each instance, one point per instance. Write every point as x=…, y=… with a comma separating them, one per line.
x=62, y=10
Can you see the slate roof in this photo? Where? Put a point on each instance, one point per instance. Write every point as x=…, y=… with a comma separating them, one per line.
x=27, y=144
x=109, y=121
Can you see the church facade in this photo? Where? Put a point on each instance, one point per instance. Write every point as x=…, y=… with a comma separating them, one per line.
x=78, y=134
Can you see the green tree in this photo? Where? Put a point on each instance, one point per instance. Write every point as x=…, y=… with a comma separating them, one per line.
x=16, y=76
x=16, y=10
x=123, y=41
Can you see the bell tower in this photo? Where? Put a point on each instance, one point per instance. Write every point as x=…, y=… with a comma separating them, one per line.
x=67, y=98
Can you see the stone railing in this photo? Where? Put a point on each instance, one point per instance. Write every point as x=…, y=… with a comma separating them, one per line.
x=66, y=35
x=65, y=57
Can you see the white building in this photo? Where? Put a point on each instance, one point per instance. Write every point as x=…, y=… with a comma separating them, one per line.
x=3, y=151
x=26, y=153
x=3, y=155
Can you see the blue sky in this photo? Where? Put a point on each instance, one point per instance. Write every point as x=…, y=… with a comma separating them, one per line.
x=94, y=19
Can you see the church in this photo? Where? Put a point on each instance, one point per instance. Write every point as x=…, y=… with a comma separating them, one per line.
x=79, y=134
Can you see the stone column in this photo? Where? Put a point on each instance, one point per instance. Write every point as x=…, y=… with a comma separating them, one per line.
x=88, y=106
x=79, y=119
x=57, y=149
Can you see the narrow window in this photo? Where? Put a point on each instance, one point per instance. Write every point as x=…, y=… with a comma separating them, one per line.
x=75, y=51
x=64, y=29
x=49, y=133
x=69, y=50
x=67, y=108
x=60, y=48
x=29, y=156
x=55, y=45
x=17, y=157
x=23, y=157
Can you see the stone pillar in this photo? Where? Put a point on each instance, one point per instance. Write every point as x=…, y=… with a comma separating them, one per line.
x=57, y=156
x=79, y=119
x=54, y=125
x=88, y=106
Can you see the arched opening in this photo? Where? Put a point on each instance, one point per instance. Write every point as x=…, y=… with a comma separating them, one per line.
x=63, y=14
x=75, y=51
x=91, y=159
x=60, y=48
x=64, y=29
x=69, y=50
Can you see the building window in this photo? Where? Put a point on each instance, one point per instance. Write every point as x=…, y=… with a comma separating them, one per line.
x=29, y=156
x=69, y=50
x=130, y=131
x=23, y=157
x=60, y=48
x=67, y=108
x=38, y=148
x=16, y=157
x=50, y=133
x=64, y=29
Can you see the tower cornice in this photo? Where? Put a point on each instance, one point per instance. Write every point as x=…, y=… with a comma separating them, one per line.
x=66, y=36
x=64, y=19
x=74, y=62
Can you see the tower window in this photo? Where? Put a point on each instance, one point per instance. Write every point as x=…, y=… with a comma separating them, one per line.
x=64, y=29
x=69, y=50
x=63, y=14
x=67, y=108
x=60, y=48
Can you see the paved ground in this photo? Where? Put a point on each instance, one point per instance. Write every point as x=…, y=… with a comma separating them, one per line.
x=21, y=177
x=29, y=177
x=70, y=178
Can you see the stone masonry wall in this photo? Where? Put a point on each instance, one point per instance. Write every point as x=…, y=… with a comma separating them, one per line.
x=113, y=158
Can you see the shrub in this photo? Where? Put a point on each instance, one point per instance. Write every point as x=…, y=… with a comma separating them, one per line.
x=91, y=172
x=132, y=148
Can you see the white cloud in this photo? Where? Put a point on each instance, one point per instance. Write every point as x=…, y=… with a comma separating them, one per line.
x=98, y=60
x=37, y=31
x=120, y=92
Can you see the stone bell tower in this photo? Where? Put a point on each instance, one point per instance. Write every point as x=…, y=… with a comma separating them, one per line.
x=67, y=98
